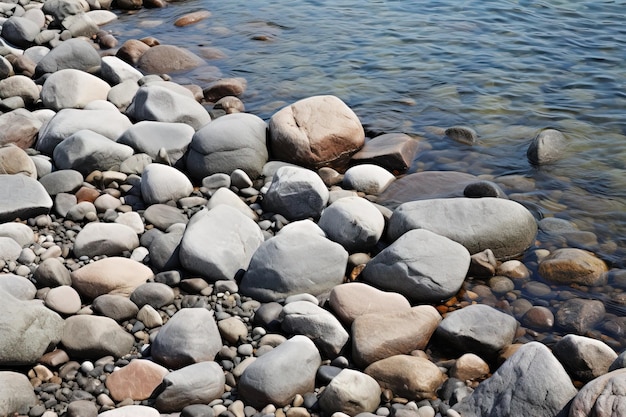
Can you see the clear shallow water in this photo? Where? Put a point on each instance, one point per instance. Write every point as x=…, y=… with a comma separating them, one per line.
x=506, y=68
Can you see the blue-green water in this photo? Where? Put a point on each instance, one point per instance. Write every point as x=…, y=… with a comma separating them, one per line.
x=506, y=68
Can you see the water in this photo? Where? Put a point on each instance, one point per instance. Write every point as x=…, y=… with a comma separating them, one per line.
x=506, y=68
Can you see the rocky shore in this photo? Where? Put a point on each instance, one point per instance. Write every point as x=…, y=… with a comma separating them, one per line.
x=163, y=252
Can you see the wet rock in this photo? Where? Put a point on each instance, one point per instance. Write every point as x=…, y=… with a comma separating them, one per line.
x=17, y=394
x=584, y=358
x=538, y=318
x=580, y=315
x=296, y=193
x=93, y=337
x=478, y=329
x=392, y=151
x=462, y=134
x=234, y=141
x=282, y=373
x=105, y=239
x=316, y=131
x=531, y=382
x=114, y=275
x=410, y=377
x=293, y=263
x=165, y=59
x=351, y=300
x=573, y=266
x=504, y=226
x=350, y=392
x=191, y=18
x=380, y=335
x=136, y=381
x=601, y=397
x=412, y=267
x=28, y=198
x=199, y=383
x=547, y=147
x=131, y=51
x=190, y=336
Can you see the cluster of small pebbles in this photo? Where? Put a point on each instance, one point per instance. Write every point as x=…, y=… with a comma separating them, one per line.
x=163, y=252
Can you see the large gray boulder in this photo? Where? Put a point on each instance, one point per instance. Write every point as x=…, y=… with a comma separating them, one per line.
x=17, y=394
x=199, y=383
x=28, y=198
x=477, y=328
x=109, y=123
x=27, y=330
x=421, y=265
x=161, y=104
x=319, y=325
x=293, y=263
x=92, y=337
x=218, y=243
x=73, y=53
x=86, y=151
x=282, y=373
x=504, y=226
x=20, y=31
x=603, y=397
x=316, y=131
x=150, y=137
x=296, y=193
x=234, y=141
x=190, y=336
x=530, y=383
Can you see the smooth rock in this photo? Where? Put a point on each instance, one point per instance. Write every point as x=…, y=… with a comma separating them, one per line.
x=199, y=383
x=547, y=147
x=584, y=358
x=224, y=87
x=165, y=250
x=480, y=189
x=20, y=31
x=163, y=216
x=136, y=381
x=72, y=53
x=393, y=151
x=162, y=183
x=62, y=181
x=296, y=193
x=234, y=141
x=224, y=196
x=81, y=408
x=367, y=178
x=352, y=300
x=56, y=96
x=188, y=337
x=462, y=134
x=154, y=294
x=294, y=263
x=63, y=299
x=28, y=199
x=412, y=266
x=116, y=71
x=316, y=131
x=20, y=86
x=232, y=238
x=233, y=330
x=602, y=397
x=579, y=315
x=165, y=59
x=131, y=411
x=282, y=373
x=52, y=273
x=17, y=394
x=14, y=160
x=573, y=266
x=116, y=307
x=109, y=239
x=92, y=337
x=504, y=226
x=114, y=275
x=530, y=383
x=19, y=232
x=10, y=250
x=350, y=392
x=469, y=367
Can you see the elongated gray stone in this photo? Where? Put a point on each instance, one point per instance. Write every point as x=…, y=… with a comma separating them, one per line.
x=28, y=198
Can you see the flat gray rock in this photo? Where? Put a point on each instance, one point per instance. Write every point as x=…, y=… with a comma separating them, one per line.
x=28, y=198
x=86, y=151
x=350, y=392
x=234, y=141
x=17, y=394
x=319, y=325
x=421, y=265
x=163, y=216
x=296, y=193
x=116, y=307
x=72, y=53
x=52, y=273
x=504, y=226
x=92, y=337
x=199, y=383
x=477, y=328
x=530, y=383
x=218, y=243
x=282, y=373
x=105, y=239
x=62, y=181
x=28, y=330
x=293, y=263
x=190, y=336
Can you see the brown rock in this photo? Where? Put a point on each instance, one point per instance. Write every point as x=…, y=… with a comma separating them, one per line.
x=230, y=104
x=580, y=315
x=483, y=264
x=131, y=51
x=469, y=367
x=378, y=336
x=538, y=318
x=14, y=160
x=392, y=151
x=355, y=299
x=165, y=59
x=407, y=376
x=129, y=4
x=573, y=266
x=513, y=269
x=136, y=381
x=150, y=41
x=18, y=127
x=114, y=275
x=224, y=88
x=191, y=18
x=315, y=132
x=87, y=194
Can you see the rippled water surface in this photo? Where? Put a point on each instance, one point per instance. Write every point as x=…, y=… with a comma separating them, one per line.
x=506, y=68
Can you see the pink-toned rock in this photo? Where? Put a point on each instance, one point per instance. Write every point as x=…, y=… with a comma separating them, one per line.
x=410, y=377
x=131, y=51
x=469, y=367
x=63, y=299
x=352, y=300
x=164, y=59
x=115, y=275
x=602, y=397
x=573, y=266
x=14, y=160
x=136, y=381
x=19, y=127
x=377, y=336
x=392, y=151
x=315, y=132
x=191, y=18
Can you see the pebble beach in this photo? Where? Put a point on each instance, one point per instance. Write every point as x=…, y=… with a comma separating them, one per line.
x=165, y=252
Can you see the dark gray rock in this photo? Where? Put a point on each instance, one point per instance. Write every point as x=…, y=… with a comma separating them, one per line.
x=293, y=263
x=20, y=31
x=484, y=189
x=28, y=198
x=52, y=273
x=165, y=250
x=584, y=358
x=413, y=267
x=530, y=383
x=154, y=294
x=62, y=181
x=579, y=315
x=462, y=134
x=547, y=147
x=72, y=53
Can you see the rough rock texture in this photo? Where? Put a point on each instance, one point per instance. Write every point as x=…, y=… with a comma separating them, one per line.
x=412, y=266
x=605, y=396
x=573, y=266
x=530, y=383
x=504, y=226
x=316, y=131
x=350, y=392
x=276, y=377
x=293, y=263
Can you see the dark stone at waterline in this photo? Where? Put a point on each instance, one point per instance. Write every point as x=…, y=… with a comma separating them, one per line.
x=162, y=59
x=580, y=315
x=392, y=151
x=462, y=134
x=484, y=189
